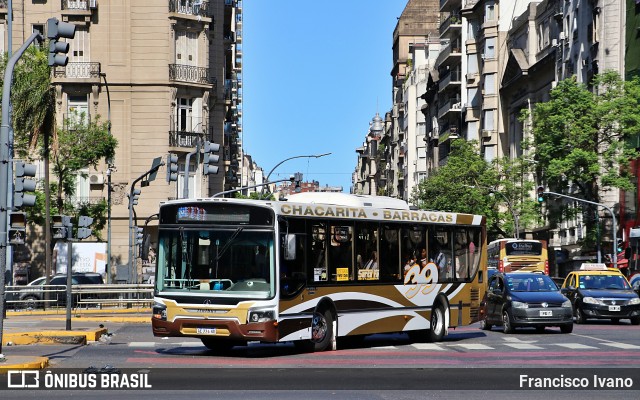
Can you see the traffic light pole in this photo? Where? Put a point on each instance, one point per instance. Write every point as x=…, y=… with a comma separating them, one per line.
x=6, y=154
x=613, y=218
x=131, y=261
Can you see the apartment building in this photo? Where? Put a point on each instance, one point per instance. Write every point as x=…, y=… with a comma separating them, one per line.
x=168, y=74
x=496, y=59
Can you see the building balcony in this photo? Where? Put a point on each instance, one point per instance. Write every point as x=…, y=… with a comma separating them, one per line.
x=451, y=79
x=79, y=8
x=451, y=24
x=451, y=54
x=451, y=105
x=195, y=8
x=191, y=74
x=78, y=70
x=450, y=5
x=449, y=132
x=185, y=132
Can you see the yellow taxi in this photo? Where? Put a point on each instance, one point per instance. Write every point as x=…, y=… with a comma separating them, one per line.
x=599, y=292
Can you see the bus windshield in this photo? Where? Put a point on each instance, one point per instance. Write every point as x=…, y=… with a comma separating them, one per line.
x=237, y=261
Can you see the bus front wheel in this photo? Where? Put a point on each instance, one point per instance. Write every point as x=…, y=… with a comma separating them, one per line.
x=322, y=330
x=436, y=330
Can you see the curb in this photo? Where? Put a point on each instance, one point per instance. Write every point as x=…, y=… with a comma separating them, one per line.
x=53, y=337
x=23, y=362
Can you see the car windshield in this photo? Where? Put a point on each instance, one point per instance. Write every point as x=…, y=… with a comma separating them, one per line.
x=614, y=282
x=531, y=283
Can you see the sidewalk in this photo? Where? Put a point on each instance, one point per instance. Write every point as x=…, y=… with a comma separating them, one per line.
x=87, y=326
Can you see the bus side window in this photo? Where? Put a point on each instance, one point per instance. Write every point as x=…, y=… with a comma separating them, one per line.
x=341, y=253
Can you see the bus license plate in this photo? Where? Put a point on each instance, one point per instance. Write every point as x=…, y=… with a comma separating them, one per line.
x=547, y=313
x=206, y=331
x=614, y=308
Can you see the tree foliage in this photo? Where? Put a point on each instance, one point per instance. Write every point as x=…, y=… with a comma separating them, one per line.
x=584, y=140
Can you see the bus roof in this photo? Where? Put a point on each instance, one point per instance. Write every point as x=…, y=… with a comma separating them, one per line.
x=350, y=200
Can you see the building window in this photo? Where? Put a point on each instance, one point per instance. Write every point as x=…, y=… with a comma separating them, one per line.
x=490, y=47
x=39, y=28
x=488, y=120
x=472, y=63
x=489, y=11
x=79, y=46
x=489, y=86
x=187, y=48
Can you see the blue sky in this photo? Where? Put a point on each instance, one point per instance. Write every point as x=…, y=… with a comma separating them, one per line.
x=314, y=75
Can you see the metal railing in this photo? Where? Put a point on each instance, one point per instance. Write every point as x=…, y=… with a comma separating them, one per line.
x=190, y=7
x=78, y=70
x=84, y=296
x=190, y=73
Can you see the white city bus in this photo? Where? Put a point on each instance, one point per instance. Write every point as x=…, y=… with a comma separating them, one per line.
x=313, y=268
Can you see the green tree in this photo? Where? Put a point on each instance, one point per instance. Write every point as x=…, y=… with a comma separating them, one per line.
x=583, y=137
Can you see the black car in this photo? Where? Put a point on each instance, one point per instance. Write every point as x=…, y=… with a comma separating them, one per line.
x=601, y=293
x=523, y=299
x=33, y=294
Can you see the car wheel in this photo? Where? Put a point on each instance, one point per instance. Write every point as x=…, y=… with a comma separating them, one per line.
x=635, y=321
x=580, y=317
x=507, y=323
x=30, y=302
x=436, y=331
x=568, y=328
x=484, y=325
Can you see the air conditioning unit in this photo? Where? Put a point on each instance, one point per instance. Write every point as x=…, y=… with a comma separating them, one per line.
x=93, y=4
x=96, y=179
x=486, y=133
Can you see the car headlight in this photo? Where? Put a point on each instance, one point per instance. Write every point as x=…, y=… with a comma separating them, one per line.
x=634, y=301
x=590, y=300
x=261, y=315
x=566, y=304
x=519, y=304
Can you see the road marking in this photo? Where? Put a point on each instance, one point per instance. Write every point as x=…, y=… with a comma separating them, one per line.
x=523, y=346
x=574, y=346
x=516, y=340
x=621, y=345
x=142, y=344
x=473, y=346
x=428, y=346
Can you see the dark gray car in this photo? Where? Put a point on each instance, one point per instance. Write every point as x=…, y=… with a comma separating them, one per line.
x=522, y=299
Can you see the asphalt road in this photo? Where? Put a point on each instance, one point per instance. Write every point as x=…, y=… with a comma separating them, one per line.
x=468, y=362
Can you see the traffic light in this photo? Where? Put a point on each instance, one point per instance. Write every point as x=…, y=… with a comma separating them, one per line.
x=17, y=227
x=133, y=200
x=60, y=226
x=619, y=246
x=23, y=184
x=540, y=194
x=210, y=159
x=297, y=179
x=83, y=227
x=58, y=50
x=139, y=235
x=172, y=167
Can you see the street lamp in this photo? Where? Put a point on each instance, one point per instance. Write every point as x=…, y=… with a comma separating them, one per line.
x=291, y=158
x=110, y=169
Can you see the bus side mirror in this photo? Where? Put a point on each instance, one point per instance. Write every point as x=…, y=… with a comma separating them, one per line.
x=289, y=247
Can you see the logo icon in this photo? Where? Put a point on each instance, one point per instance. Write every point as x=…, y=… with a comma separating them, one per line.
x=23, y=379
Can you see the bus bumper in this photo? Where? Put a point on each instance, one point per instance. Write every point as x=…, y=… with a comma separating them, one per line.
x=224, y=329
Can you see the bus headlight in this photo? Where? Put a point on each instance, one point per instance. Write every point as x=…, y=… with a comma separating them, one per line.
x=261, y=315
x=160, y=311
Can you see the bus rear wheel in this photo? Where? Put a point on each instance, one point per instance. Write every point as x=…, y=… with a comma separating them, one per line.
x=436, y=330
x=322, y=330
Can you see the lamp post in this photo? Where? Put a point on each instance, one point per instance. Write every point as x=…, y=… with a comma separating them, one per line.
x=110, y=169
x=291, y=158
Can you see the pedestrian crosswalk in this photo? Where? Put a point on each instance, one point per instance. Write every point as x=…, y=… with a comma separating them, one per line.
x=519, y=345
